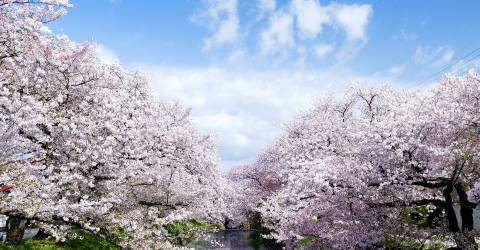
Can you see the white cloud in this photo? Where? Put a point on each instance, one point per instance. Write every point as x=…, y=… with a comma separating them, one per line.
x=310, y=17
x=433, y=57
x=236, y=56
x=266, y=7
x=465, y=65
x=106, y=54
x=282, y=30
x=306, y=19
x=347, y=51
x=221, y=17
x=396, y=71
x=321, y=50
x=422, y=55
x=405, y=36
x=279, y=35
x=445, y=57
x=245, y=108
x=353, y=19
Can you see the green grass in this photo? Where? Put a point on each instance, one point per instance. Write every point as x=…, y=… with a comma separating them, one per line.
x=84, y=241
x=31, y=244
x=179, y=233
x=392, y=242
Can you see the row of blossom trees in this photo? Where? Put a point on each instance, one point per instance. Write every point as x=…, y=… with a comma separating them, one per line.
x=85, y=145
x=376, y=166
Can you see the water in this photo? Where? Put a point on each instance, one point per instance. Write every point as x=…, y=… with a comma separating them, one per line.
x=29, y=233
x=224, y=239
x=231, y=240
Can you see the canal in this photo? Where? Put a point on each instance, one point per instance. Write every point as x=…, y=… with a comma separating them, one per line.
x=233, y=239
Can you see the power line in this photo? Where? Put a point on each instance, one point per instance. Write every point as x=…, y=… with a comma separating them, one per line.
x=433, y=76
x=466, y=63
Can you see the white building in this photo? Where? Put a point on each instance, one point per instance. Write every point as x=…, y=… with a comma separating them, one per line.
x=3, y=220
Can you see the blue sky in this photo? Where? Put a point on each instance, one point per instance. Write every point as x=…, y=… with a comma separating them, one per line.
x=248, y=66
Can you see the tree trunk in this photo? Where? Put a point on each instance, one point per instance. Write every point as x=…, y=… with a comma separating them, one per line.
x=15, y=229
x=465, y=239
x=449, y=210
x=466, y=208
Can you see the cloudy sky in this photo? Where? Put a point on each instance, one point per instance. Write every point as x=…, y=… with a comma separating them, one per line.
x=248, y=66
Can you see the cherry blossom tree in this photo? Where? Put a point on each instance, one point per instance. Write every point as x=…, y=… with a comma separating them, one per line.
x=86, y=145
x=351, y=172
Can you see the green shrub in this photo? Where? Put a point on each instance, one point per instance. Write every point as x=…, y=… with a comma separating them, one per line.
x=183, y=232
x=307, y=240
x=256, y=240
x=83, y=241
